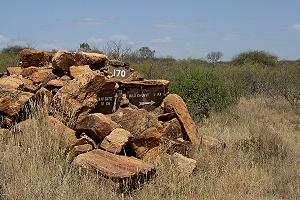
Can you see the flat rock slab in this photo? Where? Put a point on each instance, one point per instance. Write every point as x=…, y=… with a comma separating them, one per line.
x=175, y=104
x=112, y=165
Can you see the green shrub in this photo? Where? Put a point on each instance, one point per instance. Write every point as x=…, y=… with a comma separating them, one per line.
x=12, y=49
x=8, y=60
x=204, y=91
x=255, y=57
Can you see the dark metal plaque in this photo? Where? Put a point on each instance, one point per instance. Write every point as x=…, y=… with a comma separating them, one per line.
x=147, y=97
x=108, y=102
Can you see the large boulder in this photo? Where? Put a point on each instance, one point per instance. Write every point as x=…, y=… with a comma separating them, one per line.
x=116, y=140
x=79, y=96
x=27, y=72
x=64, y=134
x=114, y=166
x=137, y=121
x=63, y=60
x=42, y=75
x=14, y=71
x=172, y=129
x=97, y=126
x=143, y=143
x=30, y=57
x=175, y=104
x=94, y=60
x=11, y=103
x=76, y=71
x=11, y=82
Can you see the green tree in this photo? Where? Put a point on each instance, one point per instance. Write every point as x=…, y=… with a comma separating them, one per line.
x=214, y=56
x=146, y=53
x=84, y=47
x=255, y=57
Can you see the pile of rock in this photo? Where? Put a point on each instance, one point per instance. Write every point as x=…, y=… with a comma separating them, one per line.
x=123, y=123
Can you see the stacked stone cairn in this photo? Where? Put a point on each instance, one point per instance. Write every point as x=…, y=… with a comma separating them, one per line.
x=122, y=123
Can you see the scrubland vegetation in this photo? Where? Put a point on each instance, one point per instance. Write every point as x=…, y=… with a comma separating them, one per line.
x=251, y=103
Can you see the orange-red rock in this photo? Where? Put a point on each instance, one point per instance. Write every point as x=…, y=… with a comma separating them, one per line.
x=97, y=126
x=41, y=75
x=14, y=71
x=113, y=166
x=26, y=72
x=65, y=78
x=145, y=141
x=184, y=166
x=172, y=129
x=116, y=140
x=56, y=83
x=94, y=60
x=63, y=60
x=65, y=136
x=76, y=71
x=137, y=121
x=11, y=82
x=175, y=104
x=11, y=103
x=79, y=96
x=30, y=57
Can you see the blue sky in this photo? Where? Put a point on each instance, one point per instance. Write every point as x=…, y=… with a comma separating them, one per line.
x=181, y=29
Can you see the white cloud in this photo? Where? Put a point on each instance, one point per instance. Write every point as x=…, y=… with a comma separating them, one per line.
x=163, y=40
x=296, y=26
x=131, y=43
x=4, y=40
x=166, y=25
x=119, y=37
x=50, y=46
x=96, y=40
x=22, y=43
x=95, y=21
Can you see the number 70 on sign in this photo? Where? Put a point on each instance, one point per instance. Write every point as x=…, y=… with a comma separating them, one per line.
x=119, y=72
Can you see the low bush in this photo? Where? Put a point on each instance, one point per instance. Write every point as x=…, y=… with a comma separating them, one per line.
x=255, y=57
x=8, y=60
x=204, y=91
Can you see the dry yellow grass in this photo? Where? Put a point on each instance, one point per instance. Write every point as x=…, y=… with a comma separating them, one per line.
x=261, y=161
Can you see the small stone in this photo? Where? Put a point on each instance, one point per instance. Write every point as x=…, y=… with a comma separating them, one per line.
x=185, y=166
x=116, y=140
